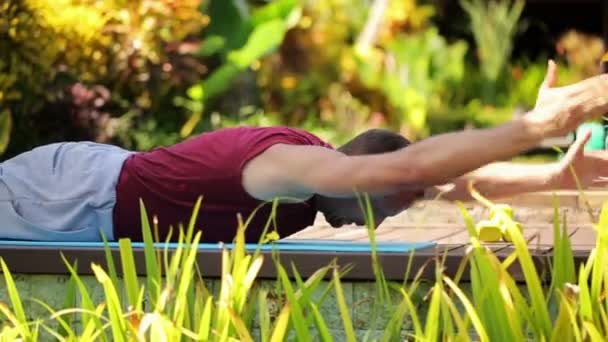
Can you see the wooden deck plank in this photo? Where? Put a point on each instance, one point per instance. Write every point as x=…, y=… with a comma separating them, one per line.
x=411, y=233
x=418, y=232
x=539, y=237
x=583, y=240
x=352, y=234
x=314, y=232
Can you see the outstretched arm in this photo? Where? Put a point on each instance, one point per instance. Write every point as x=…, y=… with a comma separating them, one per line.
x=499, y=180
x=301, y=171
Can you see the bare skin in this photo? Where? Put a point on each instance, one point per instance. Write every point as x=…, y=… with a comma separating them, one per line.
x=442, y=163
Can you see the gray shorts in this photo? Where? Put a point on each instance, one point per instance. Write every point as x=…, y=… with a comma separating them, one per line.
x=60, y=192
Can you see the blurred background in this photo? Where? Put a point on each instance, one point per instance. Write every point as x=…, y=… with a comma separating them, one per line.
x=146, y=73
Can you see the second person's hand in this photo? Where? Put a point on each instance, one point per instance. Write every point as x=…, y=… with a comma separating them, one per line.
x=559, y=110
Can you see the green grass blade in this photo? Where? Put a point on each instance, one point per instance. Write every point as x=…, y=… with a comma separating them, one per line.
x=311, y=284
x=50, y=331
x=604, y=319
x=86, y=301
x=249, y=310
x=393, y=327
x=603, y=220
x=250, y=277
x=297, y=316
x=469, y=224
x=69, y=301
x=524, y=312
x=599, y=272
x=280, y=328
x=152, y=262
x=110, y=261
x=543, y=320
x=486, y=284
x=432, y=328
x=263, y=315
x=185, y=282
x=205, y=322
x=453, y=319
x=193, y=218
x=303, y=290
x=413, y=313
x=576, y=328
x=566, y=257
x=221, y=318
x=176, y=260
x=469, y=309
x=240, y=327
x=307, y=288
x=563, y=325
x=370, y=224
x=128, y=271
x=64, y=327
x=13, y=294
x=595, y=335
x=19, y=329
x=114, y=309
x=322, y=328
x=93, y=327
x=344, y=310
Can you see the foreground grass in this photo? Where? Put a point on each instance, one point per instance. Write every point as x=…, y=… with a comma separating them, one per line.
x=180, y=307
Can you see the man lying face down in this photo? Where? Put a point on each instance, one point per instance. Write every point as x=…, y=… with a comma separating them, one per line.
x=71, y=191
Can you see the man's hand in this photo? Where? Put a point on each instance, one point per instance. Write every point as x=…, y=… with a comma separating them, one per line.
x=590, y=167
x=559, y=110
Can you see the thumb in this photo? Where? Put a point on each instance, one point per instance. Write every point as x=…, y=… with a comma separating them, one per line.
x=551, y=76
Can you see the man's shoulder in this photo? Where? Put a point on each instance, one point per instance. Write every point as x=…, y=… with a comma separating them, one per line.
x=253, y=134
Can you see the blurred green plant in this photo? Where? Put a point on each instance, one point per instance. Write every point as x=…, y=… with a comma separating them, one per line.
x=494, y=25
x=33, y=36
x=582, y=51
x=146, y=73
x=121, y=57
x=360, y=55
x=416, y=73
x=239, y=37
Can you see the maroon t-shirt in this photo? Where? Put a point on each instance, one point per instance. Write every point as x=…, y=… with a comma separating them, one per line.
x=170, y=179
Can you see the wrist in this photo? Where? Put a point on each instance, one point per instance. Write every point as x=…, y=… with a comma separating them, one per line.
x=534, y=129
x=526, y=133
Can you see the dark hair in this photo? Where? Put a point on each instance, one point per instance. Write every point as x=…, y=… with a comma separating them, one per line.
x=374, y=141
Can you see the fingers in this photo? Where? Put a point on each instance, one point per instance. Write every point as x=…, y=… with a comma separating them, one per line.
x=576, y=148
x=578, y=145
x=598, y=82
x=551, y=77
x=581, y=141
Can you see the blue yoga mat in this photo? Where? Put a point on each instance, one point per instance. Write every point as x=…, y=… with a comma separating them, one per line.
x=283, y=245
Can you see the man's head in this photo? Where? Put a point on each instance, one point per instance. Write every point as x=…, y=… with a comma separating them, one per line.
x=341, y=211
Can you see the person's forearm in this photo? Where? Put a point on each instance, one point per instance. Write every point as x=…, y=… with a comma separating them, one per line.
x=444, y=157
x=499, y=180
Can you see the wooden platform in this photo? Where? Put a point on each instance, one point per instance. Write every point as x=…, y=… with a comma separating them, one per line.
x=436, y=221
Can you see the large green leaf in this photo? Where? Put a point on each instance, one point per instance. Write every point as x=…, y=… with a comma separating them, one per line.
x=278, y=9
x=264, y=39
x=230, y=19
